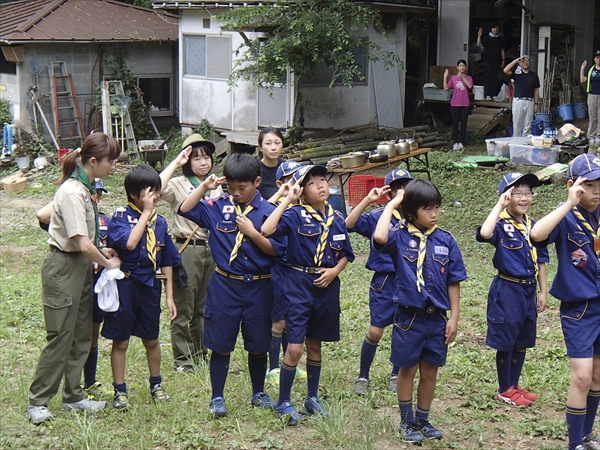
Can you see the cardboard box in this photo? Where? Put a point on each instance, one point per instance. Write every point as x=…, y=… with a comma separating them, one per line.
x=530, y=155
x=437, y=94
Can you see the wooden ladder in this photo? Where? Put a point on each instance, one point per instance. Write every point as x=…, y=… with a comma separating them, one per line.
x=112, y=94
x=68, y=125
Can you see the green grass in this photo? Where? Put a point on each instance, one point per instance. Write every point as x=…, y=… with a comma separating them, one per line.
x=463, y=408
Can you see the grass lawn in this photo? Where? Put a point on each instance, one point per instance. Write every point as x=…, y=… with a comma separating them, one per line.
x=463, y=408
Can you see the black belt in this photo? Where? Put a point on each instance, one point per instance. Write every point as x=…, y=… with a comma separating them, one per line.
x=198, y=242
x=517, y=280
x=524, y=98
x=246, y=278
x=306, y=269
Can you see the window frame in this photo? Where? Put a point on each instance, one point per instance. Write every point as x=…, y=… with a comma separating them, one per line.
x=168, y=112
x=207, y=38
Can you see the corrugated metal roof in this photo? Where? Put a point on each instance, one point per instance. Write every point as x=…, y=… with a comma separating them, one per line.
x=83, y=21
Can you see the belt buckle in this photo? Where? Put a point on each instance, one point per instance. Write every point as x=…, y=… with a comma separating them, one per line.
x=248, y=278
x=311, y=270
x=430, y=310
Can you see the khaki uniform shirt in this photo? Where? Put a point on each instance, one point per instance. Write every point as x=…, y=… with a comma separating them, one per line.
x=72, y=215
x=175, y=193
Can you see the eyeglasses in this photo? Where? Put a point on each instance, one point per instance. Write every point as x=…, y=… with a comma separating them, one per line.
x=522, y=194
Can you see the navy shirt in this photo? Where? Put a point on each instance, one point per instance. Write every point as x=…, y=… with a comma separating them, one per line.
x=218, y=216
x=303, y=233
x=365, y=226
x=578, y=274
x=492, y=47
x=594, y=79
x=136, y=261
x=512, y=256
x=268, y=186
x=443, y=265
x=526, y=84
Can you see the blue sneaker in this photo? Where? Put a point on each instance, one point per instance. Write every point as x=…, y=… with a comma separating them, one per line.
x=217, y=407
x=262, y=400
x=313, y=406
x=287, y=411
x=409, y=432
x=428, y=430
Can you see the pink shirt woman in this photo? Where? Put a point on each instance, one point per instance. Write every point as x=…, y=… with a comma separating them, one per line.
x=460, y=105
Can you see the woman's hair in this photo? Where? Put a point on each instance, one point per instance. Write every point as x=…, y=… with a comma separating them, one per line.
x=419, y=193
x=197, y=149
x=266, y=131
x=98, y=145
x=140, y=178
x=461, y=61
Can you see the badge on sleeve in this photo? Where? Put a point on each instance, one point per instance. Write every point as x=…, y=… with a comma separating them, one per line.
x=132, y=219
x=88, y=205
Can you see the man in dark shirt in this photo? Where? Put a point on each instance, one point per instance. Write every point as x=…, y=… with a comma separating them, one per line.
x=493, y=61
x=527, y=94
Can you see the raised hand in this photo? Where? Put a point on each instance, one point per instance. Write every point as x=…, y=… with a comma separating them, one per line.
x=213, y=182
x=149, y=199
x=576, y=191
x=504, y=199
x=377, y=193
x=183, y=156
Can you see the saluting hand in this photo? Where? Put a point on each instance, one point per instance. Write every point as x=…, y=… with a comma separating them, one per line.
x=376, y=194
x=576, y=191
x=149, y=199
x=183, y=156
x=505, y=197
x=397, y=200
x=295, y=192
x=213, y=182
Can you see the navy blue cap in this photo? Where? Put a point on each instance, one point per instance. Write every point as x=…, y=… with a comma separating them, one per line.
x=398, y=174
x=586, y=165
x=100, y=185
x=304, y=170
x=286, y=169
x=514, y=178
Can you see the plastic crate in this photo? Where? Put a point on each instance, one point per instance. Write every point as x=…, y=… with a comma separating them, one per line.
x=359, y=187
x=500, y=147
x=527, y=154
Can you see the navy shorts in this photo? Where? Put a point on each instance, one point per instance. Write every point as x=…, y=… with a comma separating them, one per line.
x=233, y=303
x=278, y=276
x=98, y=315
x=511, y=315
x=138, y=313
x=419, y=335
x=381, y=305
x=580, y=324
x=312, y=312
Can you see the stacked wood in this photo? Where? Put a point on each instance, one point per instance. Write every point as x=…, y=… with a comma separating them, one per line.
x=485, y=119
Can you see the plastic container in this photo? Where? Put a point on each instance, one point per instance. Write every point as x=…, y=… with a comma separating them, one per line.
x=335, y=200
x=580, y=110
x=478, y=92
x=530, y=155
x=550, y=132
x=62, y=152
x=565, y=111
x=437, y=94
x=546, y=118
x=499, y=147
x=23, y=162
x=537, y=127
x=359, y=187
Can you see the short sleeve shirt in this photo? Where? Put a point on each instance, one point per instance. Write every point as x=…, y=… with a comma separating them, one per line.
x=460, y=96
x=594, y=77
x=526, y=84
x=72, y=215
x=493, y=49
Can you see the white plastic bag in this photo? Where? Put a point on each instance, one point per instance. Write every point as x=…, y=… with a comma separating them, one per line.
x=503, y=94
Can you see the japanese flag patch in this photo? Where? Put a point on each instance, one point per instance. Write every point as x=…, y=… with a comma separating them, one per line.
x=228, y=209
x=509, y=228
x=132, y=219
x=305, y=213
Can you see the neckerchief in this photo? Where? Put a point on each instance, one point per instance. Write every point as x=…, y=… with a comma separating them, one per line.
x=595, y=235
x=325, y=225
x=80, y=175
x=194, y=181
x=240, y=235
x=150, y=236
x=422, y=250
x=525, y=229
x=399, y=217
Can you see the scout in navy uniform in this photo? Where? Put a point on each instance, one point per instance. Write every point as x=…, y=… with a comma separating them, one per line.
x=574, y=227
x=67, y=279
x=429, y=269
x=381, y=307
x=513, y=301
x=140, y=237
x=240, y=292
x=279, y=273
x=318, y=248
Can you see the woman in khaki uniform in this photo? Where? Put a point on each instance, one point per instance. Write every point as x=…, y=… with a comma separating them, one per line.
x=67, y=279
x=196, y=162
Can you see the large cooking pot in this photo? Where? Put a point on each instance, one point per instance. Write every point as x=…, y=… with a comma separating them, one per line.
x=402, y=147
x=387, y=148
x=352, y=160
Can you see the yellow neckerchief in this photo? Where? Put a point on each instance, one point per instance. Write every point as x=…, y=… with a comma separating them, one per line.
x=240, y=235
x=400, y=219
x=422, y=250
x=325, y=225
x=525, y=229
x=150, y=236
x=595, y=235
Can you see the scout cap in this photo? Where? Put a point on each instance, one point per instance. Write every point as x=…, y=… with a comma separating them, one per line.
x=515, y=178
x=585, y=165
x=286, y=168
x=99, y=183
x=301, y=173
x=596, y=53
x=198, y=139
x=398, y=174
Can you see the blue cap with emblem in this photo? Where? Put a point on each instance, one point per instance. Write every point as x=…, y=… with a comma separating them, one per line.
x=586, y=165
x=301, y=173
x=515, y=178
x=398, y=174
x=99, y=183
x=286, y=169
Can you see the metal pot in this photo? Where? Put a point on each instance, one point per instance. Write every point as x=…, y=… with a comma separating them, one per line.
x=353, y=160
x=413, y=142
x=387, y=148
x=378, y=158
x=402, y=147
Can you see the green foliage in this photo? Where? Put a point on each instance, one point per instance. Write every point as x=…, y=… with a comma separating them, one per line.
x=300, y=34
x=5, y=116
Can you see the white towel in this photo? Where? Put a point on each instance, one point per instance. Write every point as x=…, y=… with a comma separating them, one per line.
x=106, y=288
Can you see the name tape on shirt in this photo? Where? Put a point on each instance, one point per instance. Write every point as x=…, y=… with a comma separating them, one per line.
x=339, y=237
x=438, y=250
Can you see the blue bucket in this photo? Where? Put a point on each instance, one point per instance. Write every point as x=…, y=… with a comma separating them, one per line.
x=537, y=127
x=580, y=110
x=565, y=111
x=335, y=200
x=546, y=119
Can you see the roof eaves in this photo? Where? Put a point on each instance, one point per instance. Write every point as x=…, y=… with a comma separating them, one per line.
x=39, y=16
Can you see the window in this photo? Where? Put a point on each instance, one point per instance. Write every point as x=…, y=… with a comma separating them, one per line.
x=322, y=74
x=208, y=56
x=7, y=66
x=157, y=94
